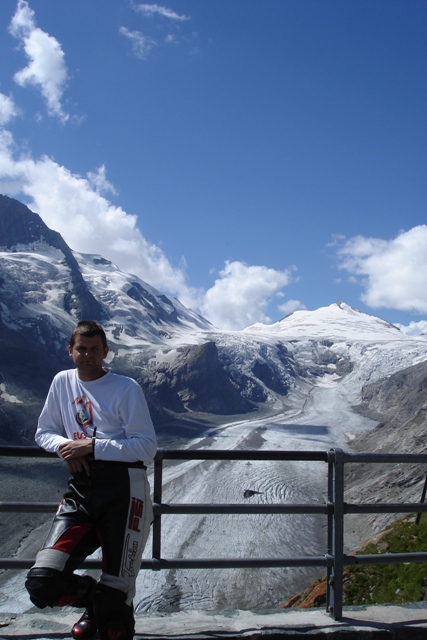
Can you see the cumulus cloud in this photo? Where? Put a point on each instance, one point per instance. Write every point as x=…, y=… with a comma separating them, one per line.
x=75, y=207
x=393, y=272
x=149, y=10
x=239, y=297
x=8, y=109
x=46, y=69
x=414, y=328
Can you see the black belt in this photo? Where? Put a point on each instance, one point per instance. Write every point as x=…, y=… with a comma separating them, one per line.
x=114, y=464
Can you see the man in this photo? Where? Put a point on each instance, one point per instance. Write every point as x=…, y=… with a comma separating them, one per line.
x=99, y=423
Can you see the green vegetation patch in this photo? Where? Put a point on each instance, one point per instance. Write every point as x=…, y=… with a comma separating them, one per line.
x=393, y=583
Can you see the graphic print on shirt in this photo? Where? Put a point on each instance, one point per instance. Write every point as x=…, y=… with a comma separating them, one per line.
x=84, y=417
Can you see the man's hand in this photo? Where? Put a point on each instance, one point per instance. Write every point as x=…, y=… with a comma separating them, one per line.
x=76, y=454
x=75, y=449
x=79, y=465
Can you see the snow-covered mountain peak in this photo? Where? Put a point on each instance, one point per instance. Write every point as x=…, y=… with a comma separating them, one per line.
x=139, y=313
x=338, y=321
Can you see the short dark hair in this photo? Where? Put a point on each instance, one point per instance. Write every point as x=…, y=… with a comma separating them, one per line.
x=88, y=329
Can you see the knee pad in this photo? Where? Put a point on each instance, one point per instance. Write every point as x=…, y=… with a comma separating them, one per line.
x=43, y=586
x=50, y=588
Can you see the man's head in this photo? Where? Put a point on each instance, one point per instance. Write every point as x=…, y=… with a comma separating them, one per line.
x=87, y=349
x=88, y=329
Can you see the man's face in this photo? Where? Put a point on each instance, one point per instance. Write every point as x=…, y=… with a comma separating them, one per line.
x=88, y=354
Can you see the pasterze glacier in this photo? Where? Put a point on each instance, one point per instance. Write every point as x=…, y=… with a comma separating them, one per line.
x=309, y=382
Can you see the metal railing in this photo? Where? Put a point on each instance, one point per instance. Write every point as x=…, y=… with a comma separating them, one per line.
x=334, y=509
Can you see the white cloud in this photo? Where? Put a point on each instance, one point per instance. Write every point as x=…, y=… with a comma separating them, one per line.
x=46, y=69
x=393, y=273
x=99, y=182
x=240, y=295
x=141, y=44
x=89, y=223
x=290, y=306
x=414, y=328
x=8, y=109
x=149, y=10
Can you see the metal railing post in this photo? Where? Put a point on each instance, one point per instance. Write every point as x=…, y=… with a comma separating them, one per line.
x=330, y=525
x=335, y=585
x=157, y=500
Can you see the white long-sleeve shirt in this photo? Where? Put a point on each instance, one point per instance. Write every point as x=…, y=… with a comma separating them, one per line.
x=114, y=404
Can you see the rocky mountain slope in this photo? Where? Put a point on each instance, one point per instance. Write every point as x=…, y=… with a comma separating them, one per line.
x=399, y=404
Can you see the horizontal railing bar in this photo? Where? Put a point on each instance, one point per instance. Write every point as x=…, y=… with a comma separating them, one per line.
x=27, y=563
x=199, y=508
x=29, y=507
x=190, y=454
x=239, y=454
x=26, y=452
x=241, y=563
x=187, y=509
x=193, y=563
x=385, y=457
x=230, y=563
x=385, y=558
x=195, y=508
x=386, y=507
x=229, y=454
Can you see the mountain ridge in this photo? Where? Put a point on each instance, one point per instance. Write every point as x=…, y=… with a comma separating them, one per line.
x=327, y=320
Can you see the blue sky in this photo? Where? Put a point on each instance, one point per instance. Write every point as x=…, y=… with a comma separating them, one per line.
x=249, y=157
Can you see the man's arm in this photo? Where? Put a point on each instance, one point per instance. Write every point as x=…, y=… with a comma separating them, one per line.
x=139, y=442
x=50, y=436
x=50, y=432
